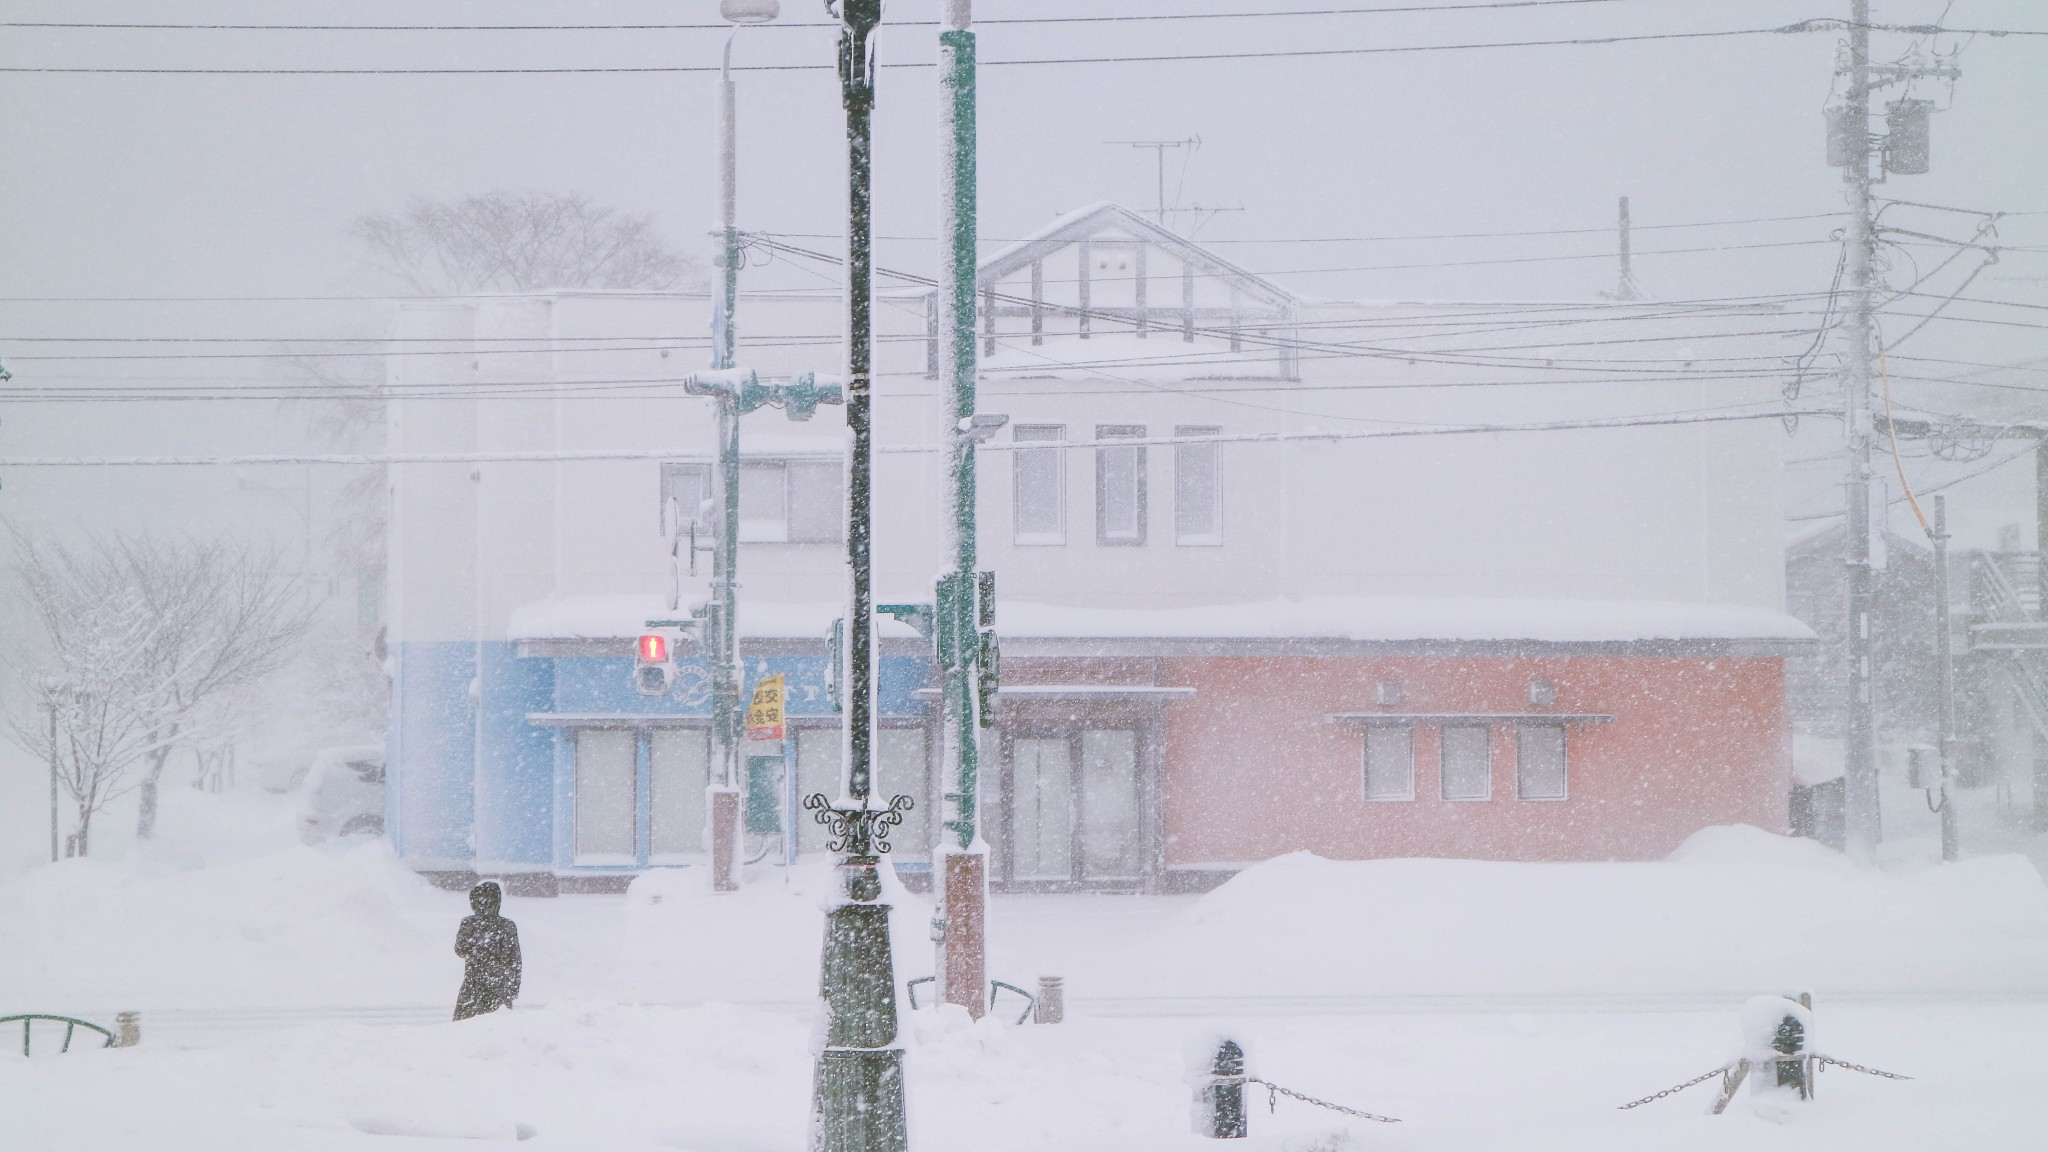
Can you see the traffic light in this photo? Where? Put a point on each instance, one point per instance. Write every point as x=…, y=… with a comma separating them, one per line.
x=653, y=665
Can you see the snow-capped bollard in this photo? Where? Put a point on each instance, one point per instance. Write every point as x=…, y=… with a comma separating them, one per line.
x=1051, y=1005
x=127, y=1029
x=1777, y=1038
x=1219, y=1102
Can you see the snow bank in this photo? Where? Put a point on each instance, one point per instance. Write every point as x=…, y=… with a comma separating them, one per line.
x=226, y=908
x=1734, y=912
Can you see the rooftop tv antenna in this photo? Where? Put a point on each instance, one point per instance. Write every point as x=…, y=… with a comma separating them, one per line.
x=1625, y=288
x=1159, y=150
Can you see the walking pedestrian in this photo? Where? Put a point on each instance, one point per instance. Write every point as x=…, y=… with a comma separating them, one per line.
x=489, y=946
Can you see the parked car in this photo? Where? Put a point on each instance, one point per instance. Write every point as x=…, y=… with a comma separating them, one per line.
x=343, y=794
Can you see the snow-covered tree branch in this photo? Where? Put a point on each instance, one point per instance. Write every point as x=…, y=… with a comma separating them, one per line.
x=148, y=644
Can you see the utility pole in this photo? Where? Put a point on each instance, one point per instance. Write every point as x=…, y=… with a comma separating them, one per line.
x=1159, y=149
x=1943, y=643
x=1905, y=152
x=964, y=605
x=857, y=1085
x=1861, y=821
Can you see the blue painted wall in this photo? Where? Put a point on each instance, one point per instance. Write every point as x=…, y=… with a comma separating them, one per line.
x=482, y=787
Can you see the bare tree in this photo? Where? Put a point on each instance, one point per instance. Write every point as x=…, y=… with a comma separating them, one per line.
x=102, y=708
x=520, y=242
x=149, y=642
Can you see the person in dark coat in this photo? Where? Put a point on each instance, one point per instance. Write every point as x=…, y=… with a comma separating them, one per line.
x=489, y=946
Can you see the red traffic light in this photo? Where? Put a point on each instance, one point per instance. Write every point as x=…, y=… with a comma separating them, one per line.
x=654, y=648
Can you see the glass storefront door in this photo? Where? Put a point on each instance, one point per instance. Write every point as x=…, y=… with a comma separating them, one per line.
x=1073, y=808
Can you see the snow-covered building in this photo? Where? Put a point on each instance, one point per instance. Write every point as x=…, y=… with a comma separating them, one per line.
x=1261, y=587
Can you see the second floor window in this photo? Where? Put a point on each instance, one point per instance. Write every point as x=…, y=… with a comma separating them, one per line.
x=1120, y=486
x=791, y=501
x=1039, y=508
x=685, y=489
x=1197, y=487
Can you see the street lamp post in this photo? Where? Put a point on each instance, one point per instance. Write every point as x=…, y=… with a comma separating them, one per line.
x=857, y=1086
x=721, y=631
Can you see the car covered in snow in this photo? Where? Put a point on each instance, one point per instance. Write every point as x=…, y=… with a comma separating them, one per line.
x=343, y=794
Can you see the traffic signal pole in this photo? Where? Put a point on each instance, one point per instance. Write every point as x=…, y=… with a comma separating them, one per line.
x=961, y=863
x=721, y=634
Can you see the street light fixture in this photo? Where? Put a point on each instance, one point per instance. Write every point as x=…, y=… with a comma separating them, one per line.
x=719, y=633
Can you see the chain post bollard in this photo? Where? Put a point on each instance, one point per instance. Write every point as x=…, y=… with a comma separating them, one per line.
x=1778, y=1055
x=127, y=1029
x=1051, y=1005
x=1219, y=1102
x=1777, y=1033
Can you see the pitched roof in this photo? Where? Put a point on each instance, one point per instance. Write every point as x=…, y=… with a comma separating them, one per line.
x=1088, y=223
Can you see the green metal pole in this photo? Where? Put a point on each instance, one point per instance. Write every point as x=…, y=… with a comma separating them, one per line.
x=722, y=648
x=961, y=864
x=857, y=1089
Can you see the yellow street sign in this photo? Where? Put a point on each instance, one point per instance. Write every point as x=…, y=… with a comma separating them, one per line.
x=765, y=714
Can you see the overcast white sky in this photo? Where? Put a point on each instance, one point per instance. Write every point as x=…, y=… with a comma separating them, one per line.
x=182, y=185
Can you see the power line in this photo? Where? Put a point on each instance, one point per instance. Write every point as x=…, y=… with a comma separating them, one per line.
x=1652, y=421
x=1279, y=54
x=1606, y=231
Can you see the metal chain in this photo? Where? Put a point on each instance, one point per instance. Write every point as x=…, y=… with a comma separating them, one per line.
x=1273, y=1091
x=1858, y=1067
x=1676, y=1088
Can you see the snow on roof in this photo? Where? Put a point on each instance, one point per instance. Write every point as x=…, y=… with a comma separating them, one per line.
x=1355, y=618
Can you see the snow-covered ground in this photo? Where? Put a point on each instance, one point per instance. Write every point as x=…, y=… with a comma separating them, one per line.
x=296, y=998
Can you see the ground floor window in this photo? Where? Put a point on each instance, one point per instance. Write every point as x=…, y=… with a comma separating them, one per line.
x=1071, y=806
x=607, y=788
x=1389, y=762
x=1464, y=758
x=1466, y=762
x=678, y=769
x=638, y=794
x=1540, y=762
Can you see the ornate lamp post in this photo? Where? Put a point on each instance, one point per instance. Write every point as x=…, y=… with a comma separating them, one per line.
x=857, y=1093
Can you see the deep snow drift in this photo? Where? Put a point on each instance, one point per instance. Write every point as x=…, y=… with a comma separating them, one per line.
x=1490, y=1005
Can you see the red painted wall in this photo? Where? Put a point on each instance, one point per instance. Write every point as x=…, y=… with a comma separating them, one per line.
x=1253, y=768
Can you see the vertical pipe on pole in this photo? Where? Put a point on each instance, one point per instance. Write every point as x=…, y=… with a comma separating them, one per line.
x=962, y=861
x=1945, y=658
x=1861, y=814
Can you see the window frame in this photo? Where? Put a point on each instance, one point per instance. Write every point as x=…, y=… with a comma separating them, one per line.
x=1181, y=453
x=1365, y=764
x=1020, y=458
x=1443, y=747
x=789, y=466
x=679, y=525
x=1564, y=762
x=1103, y=538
